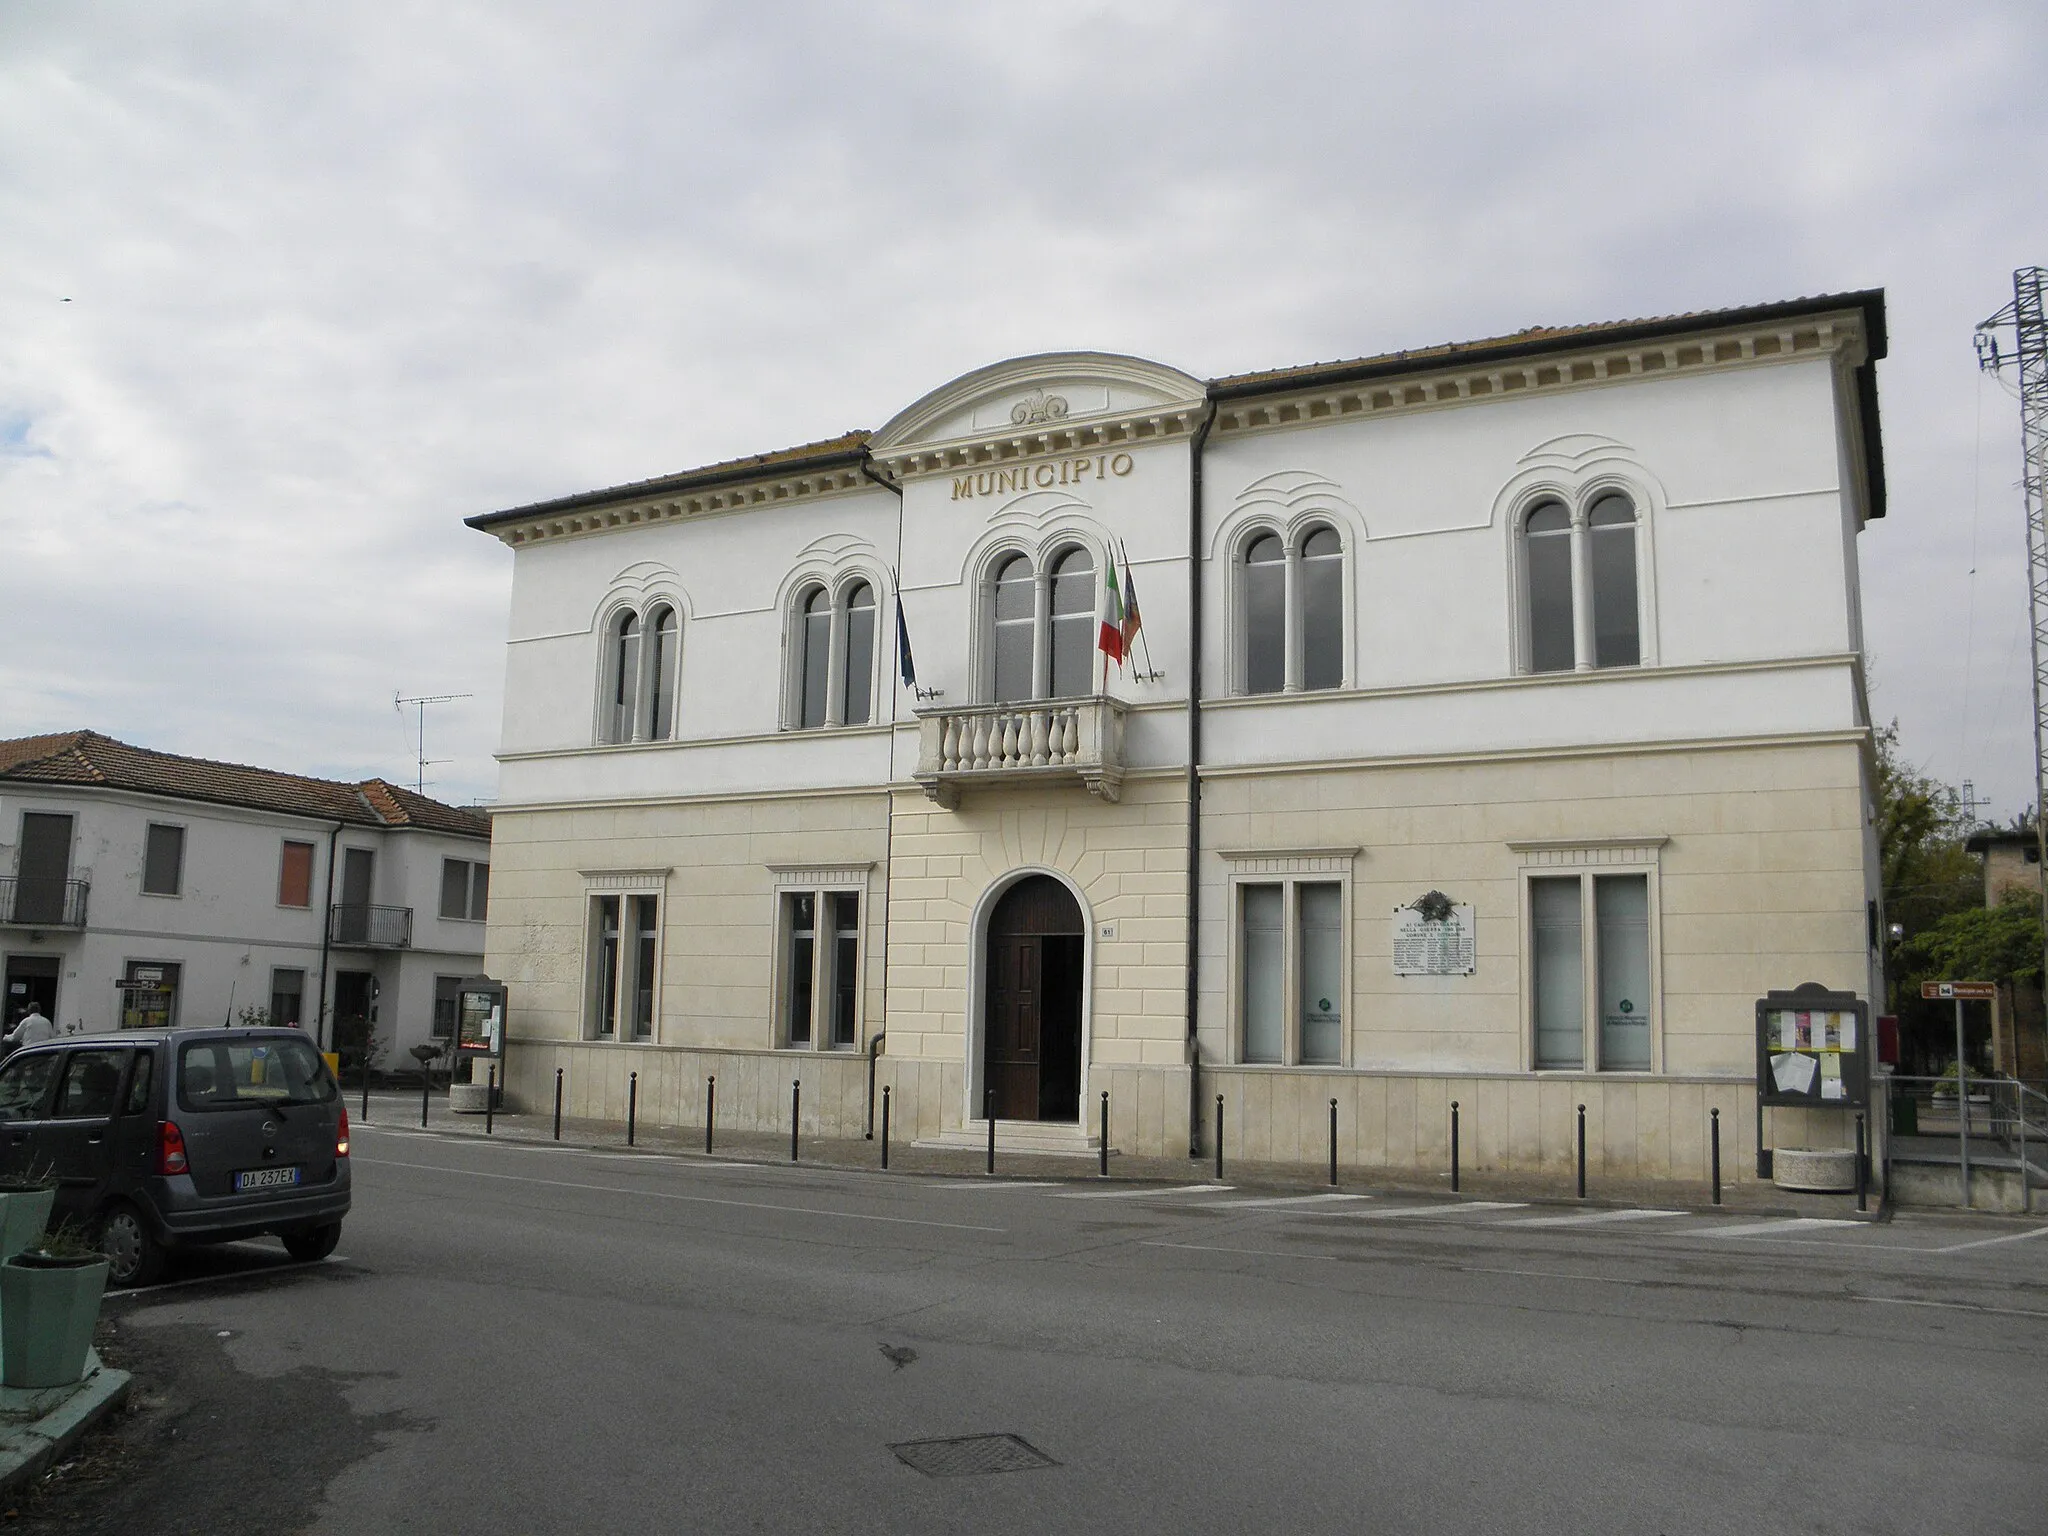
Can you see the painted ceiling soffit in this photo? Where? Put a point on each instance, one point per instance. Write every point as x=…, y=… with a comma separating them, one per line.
x=1839, y=335
x=708, y=501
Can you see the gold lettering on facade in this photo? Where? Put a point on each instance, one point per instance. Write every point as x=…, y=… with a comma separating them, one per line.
x=1041, y=475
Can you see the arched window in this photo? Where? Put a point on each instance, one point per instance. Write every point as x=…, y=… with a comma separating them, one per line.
x=1581, y=608
x=832, y=650
x=1265, y=615
x=1293, y=612
x=625, y=663
x=1321, y=588
x=1073, y=624
x=1016, y=616
x=662, y=634
x=856, y=680
x=816, y=643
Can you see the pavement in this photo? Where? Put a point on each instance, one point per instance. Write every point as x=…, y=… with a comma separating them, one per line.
x=38, y=1427
x=400, y=1109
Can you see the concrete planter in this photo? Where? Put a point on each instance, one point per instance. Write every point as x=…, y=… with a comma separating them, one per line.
x=468, y=1098
x=23, y=1215
x=47, y=1313
x=1825, y=1171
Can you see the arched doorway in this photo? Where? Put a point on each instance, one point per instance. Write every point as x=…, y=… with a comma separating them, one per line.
x=1031, y=1036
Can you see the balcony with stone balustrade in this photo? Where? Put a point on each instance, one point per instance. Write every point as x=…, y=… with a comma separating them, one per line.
x=1047, y=741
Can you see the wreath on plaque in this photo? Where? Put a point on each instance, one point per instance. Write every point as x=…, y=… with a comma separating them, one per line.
x=1435, y=907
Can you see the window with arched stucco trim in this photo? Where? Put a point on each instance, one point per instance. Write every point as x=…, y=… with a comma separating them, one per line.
x=1291, y=609
x=1040, y=626
x=1581, y=601
x=832, y=656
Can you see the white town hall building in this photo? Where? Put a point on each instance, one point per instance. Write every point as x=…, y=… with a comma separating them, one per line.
x=1496, y=732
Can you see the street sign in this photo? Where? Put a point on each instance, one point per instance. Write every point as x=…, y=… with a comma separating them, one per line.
x=1959, y=991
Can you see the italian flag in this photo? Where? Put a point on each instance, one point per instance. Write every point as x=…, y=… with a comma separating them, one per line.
x=1111, y=642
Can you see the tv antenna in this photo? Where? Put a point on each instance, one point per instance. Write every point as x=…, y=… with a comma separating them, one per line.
x=398, y=703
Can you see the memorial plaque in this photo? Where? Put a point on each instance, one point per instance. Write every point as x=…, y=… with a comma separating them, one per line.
x=1446, y=946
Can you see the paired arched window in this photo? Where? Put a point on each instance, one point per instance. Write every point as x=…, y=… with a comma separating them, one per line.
x=1579, y=594
x=1293, y=605
x=834, y=648
x=642, y=653
x=1041, y=627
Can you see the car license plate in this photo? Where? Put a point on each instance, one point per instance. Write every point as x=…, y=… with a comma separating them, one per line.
x=266, y=1178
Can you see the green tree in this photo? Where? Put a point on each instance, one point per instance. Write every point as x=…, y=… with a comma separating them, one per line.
x=1921, y=826
x=2001, y=943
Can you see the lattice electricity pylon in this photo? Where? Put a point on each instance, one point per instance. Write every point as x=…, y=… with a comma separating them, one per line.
x=2028, y=327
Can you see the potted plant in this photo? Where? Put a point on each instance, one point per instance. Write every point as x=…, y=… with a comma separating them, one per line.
x=49, y=1304
x=25, y=1200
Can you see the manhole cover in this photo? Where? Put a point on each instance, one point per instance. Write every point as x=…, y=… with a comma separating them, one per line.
x=971, y=1455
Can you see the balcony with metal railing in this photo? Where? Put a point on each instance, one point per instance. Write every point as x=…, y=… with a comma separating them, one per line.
x=39, y=903
x=1077, y=741
x=353, y=925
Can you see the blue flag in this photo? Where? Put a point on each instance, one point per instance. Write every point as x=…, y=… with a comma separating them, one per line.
x=904, y=663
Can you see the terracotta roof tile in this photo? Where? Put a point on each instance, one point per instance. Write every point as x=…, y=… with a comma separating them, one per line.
x=86, y=757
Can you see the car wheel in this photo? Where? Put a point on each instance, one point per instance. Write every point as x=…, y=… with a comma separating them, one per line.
x=134, y=1257
x=313, y=1243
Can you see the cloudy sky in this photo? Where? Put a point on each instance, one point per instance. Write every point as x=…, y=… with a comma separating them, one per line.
x=286, y=291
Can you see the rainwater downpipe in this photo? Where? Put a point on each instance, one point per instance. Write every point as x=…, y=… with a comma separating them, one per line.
x=1194, y=780
x=876, y=1040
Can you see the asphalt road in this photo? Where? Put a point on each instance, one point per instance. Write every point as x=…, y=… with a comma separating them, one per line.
x=525, y=1338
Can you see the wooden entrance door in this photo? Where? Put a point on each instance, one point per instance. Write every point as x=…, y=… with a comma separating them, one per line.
x=1032, y=1033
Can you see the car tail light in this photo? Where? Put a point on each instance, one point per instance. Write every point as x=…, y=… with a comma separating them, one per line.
x=341, y=1134
x=170, y=1149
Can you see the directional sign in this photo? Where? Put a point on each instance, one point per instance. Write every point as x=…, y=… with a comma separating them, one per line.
x=1959, y=991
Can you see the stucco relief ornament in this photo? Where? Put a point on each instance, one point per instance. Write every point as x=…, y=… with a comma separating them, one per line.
x=1434, y=907
x=1034, y=408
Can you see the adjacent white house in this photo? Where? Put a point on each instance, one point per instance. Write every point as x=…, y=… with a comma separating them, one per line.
x=1496, y=732
x=147, y=889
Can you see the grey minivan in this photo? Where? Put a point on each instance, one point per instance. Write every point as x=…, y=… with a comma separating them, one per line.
x=163, y=1138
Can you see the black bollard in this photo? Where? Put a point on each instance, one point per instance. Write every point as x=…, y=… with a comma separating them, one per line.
x=710, y=1107
x=1582, y=1151
x=885, y=1127
x=558, y=1103
x=490, y=1096
x=1454, y=1146
x=989, y=1102
x=796, y=1102
x=426, y=1084
x=1863, y=1169
x=1715, y=1128
x=1219, y=1137
x=1102, y=1152
x=1333, y=1143
x=632, y=1103
x=366, y=1087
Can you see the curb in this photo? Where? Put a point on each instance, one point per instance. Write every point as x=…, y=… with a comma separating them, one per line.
x=28, y=1449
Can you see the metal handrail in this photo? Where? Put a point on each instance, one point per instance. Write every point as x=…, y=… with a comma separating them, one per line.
x=371, y=927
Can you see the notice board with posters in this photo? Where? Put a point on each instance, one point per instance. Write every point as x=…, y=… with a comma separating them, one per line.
x=480, y=1017
x=1813, y=1049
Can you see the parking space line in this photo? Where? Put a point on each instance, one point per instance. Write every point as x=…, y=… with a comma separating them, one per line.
x=1140, y=1194
x=1992, y=1242
x=959, y=1184
x=1279, y=1202
x=1455, y=1208
x=1592, y=1218
x=1770, y=1228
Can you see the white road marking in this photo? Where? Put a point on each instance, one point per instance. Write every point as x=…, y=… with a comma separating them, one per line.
x=1989, y=1242
x=1252, y=1253
x=659, y=1194
x=1456, y=1208
x=1592, y=1218
x=958, y=1184
x=1279, y=1202
x=1947, y=1306
x=1770, y=1228
x=1140, y=1194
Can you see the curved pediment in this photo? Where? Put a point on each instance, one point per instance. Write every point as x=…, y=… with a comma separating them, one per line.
x=1049, y=390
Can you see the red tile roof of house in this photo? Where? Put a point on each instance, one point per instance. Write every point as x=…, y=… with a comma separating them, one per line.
x=90, y=759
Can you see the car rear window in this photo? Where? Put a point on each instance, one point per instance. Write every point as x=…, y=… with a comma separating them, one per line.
x=221, y=1074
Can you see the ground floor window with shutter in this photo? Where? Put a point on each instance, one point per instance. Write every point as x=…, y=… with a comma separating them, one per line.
x=1591, y=950
x=1289, y=957
x=623, y=967
x=818, y=965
